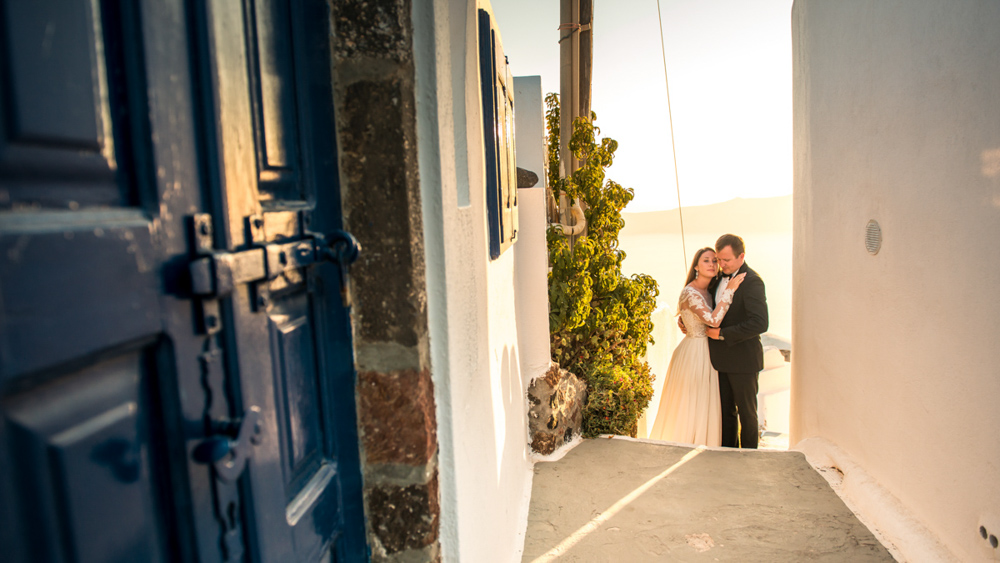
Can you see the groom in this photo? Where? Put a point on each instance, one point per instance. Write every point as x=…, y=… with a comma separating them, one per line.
x=735, y=346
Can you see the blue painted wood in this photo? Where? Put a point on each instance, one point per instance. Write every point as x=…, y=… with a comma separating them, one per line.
x=278, y=143
x=498, y=138
x=487, y=79
x=47, y=278
x=336, y=375
x=85, y=465
x=304, y=478
x=58, y=120
x=112, y=132
x=294, y=356
x=81, y=443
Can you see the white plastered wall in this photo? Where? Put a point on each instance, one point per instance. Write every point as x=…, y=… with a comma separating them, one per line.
x=475, y=322
x=897, y=119
x=531, y=253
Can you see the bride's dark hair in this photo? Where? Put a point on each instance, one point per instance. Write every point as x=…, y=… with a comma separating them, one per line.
x=694, y=264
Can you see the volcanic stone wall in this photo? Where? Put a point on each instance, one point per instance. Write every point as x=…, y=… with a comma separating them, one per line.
x=376, y=135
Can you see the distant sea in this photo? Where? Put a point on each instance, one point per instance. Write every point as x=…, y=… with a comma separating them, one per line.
x=661, y=256
x=652, y=245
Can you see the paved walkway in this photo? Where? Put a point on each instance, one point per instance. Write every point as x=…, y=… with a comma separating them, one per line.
x=622, y=500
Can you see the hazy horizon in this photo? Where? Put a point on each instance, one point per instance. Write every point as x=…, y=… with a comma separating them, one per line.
x=730, y=70
x=762, y=214
x=652, y=245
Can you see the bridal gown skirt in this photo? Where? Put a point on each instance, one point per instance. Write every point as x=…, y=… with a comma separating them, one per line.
x=690, y=411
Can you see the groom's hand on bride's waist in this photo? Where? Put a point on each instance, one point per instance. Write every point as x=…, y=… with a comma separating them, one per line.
x=680, y=324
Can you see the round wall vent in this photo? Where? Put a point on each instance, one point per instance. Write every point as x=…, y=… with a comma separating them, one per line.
x=873, y=237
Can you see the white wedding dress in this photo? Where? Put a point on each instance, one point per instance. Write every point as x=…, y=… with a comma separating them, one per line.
x=690, y=411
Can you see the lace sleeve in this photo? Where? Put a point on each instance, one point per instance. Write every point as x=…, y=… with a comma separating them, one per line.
x=694, y=302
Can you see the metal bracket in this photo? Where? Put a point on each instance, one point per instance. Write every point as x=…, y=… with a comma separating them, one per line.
x=207, y=310
x=231, y=445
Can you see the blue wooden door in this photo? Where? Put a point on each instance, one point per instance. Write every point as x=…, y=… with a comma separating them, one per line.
x=271, y=98
x=143, y=418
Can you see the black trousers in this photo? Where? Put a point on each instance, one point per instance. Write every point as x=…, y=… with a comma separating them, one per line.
x=738, y=392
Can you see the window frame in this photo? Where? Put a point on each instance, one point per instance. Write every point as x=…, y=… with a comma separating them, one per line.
x=497, y=87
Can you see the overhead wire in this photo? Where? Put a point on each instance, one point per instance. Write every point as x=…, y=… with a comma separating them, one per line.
x=673, y=145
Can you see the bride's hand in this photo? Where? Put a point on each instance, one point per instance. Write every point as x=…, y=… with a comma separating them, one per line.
x=735, y=281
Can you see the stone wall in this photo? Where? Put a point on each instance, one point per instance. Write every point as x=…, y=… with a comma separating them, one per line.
x=376, y=135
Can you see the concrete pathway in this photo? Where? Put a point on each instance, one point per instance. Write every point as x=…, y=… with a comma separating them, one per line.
x=629, y=501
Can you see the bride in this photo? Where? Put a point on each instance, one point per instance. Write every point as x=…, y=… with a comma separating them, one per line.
x=690, y=411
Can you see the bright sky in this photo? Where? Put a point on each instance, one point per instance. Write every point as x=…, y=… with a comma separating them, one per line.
x=730, y=71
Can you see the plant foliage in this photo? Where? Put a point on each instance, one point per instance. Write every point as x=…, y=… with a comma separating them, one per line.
x=599, y=319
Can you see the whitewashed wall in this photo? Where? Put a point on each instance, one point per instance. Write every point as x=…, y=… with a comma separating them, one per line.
x=478, y=308
x=531, y=254
x=897, y=119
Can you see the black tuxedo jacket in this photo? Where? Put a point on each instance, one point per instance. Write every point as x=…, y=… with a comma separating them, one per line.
x=741, y=328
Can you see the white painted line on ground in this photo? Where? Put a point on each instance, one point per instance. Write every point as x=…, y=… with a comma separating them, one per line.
x=615, y=508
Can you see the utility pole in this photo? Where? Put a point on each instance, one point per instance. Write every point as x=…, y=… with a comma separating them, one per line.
x=576, y=50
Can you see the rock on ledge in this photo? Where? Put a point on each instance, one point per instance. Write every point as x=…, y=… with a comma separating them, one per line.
x=555, y=414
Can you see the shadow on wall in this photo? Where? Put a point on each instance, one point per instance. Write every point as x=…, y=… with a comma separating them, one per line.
x=495, y=448
x=508, y=412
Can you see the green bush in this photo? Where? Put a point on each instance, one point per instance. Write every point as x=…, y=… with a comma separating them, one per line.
x=599, y=320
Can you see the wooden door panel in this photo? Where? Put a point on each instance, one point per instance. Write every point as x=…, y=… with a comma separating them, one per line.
x=294, y=356
x=292, y=474
x=74, y=283
x=58, y=143
x=98, y=170
x=80, y=269
x=106, y=386
x=88, y=490
x=271, y=56
x=54, y=56
x=312, y=499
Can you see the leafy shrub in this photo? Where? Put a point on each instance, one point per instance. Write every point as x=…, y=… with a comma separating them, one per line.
x=599, y=319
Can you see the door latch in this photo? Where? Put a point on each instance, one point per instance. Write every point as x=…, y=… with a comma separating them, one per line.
x=230, y=445
x=342, y=249
x=216, y=274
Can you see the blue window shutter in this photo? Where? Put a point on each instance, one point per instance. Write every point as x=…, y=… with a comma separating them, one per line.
x=498, y=131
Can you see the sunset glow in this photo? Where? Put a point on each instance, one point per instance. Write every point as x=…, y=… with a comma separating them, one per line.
x=729, y=64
